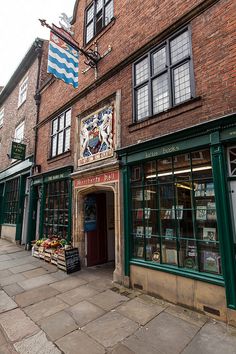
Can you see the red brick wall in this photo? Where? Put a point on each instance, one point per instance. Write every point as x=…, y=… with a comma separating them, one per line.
x=213, y=42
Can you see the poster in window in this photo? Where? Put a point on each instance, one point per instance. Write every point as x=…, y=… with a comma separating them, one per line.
x=169, y=234
x=177, y=212
x=201, y=212
x=209, y=234
x=139, y=214
x=167, y=214
x=139, y=231
x=148, y=231
x=210, y=189
x=140, y=252
x=211, y=262
x=171, y=256
x=147, y=213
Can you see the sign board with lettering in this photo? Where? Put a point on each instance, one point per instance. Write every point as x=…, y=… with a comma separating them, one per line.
x=103, y=178
x=72, y=260
x=18, y=151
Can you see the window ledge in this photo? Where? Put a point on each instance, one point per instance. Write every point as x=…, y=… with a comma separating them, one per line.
x=59, y=157
x=170, y=113
x=99, y=34
x=209, y=278
x=20, y=105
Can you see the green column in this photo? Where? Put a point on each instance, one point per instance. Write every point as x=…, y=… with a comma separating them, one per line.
x=69, y=210
x=31, y=227
x=225, y=232
x=19, y=219
x=126, y=219
x=42, y=206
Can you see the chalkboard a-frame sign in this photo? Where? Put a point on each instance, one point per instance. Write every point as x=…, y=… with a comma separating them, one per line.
x=72, y=260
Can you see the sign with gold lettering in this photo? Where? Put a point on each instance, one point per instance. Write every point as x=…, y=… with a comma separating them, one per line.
x=103, y=178
x=18, y=151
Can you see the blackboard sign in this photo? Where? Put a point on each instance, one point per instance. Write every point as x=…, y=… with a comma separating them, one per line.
x=72, y=260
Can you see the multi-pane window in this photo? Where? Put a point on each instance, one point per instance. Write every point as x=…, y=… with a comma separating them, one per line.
x=19, y=132
x=11, y=200
x=162, y=78
x=174, y=221
x=60, y=137
x=1, y=116
x=23, y=90
x=56, y=212
x=97, y=16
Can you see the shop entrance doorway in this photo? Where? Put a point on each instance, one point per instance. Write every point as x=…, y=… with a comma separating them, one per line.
x=99, y=227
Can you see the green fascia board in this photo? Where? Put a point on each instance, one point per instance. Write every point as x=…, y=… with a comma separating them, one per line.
x=217, y=280
x=58, y=174
x=226, y=125
x=16, y=169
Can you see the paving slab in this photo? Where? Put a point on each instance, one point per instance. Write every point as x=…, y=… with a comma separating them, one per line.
x=213, y=338
x=78, y=342
x=5, y=273
x=68, y=284
x=185, y=314
x=17, y=325
x=7, y=349
x=45, y=308
x=14, y=263
x=76, y=295
x=85, y=312
x=4, y=257
x=108, y=300
x=122, y=349
x=101, y=284
x=2, y=338
x=58, y=325
x=13, y=289
x=35, y=273
x=23, y=268
x=35, y=295
x=110, y=329
x=87, y=275
x=61, y=275
x=37, y=281
x=139, y=311
x=6, y=303
x=36, y=344
x=12, y=279
x=164, y=334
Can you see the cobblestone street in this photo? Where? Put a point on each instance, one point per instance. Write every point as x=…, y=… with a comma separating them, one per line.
x=43, y=310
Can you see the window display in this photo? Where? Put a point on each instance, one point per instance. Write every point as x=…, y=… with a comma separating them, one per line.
x=174, y=219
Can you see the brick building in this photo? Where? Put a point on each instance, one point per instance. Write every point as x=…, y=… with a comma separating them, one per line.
x=152, y=146
x=18, y=116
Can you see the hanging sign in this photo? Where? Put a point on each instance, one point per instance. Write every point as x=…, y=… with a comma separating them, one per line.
x=18, y=151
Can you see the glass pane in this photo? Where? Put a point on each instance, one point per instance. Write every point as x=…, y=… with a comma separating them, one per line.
x=54, y=145
x=108, y=12
x=165, y=172
x=67, y=139
x=169, y=252
x=61, y=122
x=180, y=47
x=210, y=260
x=141, y=71
x=54, y=126
x=137, y=198
x=142, y=102
x=89, y=32
x=99, y=5
x=90, y=14
x=185, y=224
x=159, y=61
x=188, y=254
x=183, y=194
x=136, y=174
x=60, y=143
x=68, y=118
x=182, y=87
x=166, y=197
x=160, y=94
x=150, y=172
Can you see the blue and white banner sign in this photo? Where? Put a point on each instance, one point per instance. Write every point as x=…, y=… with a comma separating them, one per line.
x=63, y=61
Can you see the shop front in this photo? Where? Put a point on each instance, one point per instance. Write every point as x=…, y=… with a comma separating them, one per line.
x=179, y=217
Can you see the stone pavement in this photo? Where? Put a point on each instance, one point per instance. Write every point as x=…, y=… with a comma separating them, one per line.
x=43, y=310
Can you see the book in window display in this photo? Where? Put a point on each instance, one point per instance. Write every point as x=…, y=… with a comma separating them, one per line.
x=177, y=212
x=166, y=214
x=211, y=262
x=209, y=234
x=147, y=213
x=139, y=214
x=148, y=230
x=201, y=212
x=210, y=189
x=140, y=231
x=171, y=256
x=140, y=252
x=199, y=190
x=149, y=251
x=169, y=234
x=211, y=211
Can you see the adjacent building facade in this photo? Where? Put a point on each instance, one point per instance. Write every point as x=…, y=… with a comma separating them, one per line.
x=18, y=116
x=137, y=165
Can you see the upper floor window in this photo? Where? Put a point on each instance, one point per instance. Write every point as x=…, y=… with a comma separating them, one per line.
x=163, y=77
x=97, y=16
x=23, y=90
x=60, y=137
x=19, y=132
x=1, y=116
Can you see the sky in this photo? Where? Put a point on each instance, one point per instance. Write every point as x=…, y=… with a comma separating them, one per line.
x=19, y=26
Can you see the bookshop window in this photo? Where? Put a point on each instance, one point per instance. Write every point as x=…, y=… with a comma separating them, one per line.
x=56, y=212
x=11, y=200
x=174, y=219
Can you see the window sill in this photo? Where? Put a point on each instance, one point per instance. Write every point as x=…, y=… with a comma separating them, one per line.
x=99, y=34
x=20, y=105
x=59, y=157
x=170, y=113
x=208, y=278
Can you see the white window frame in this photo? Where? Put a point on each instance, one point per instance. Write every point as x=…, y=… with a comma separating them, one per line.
x=23, y=86
x=1, y=117
x=20, y=138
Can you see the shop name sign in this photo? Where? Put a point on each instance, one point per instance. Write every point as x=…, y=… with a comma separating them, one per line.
x=103, y=178
x=162, y=151
x=18, y=151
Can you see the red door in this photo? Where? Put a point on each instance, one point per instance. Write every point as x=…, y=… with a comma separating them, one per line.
x=97, y=239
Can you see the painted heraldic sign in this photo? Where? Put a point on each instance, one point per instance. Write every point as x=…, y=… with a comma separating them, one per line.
x=18, y=151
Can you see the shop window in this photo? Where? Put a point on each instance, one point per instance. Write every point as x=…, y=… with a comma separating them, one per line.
x=60, y=137
x=162, y=78
x=11, y=199
x=56, y=211
x=174, y=221
x=97, y=16
x=23, y=91
x=1, y=116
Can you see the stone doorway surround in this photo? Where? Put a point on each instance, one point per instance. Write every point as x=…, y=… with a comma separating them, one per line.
x=99, y=182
